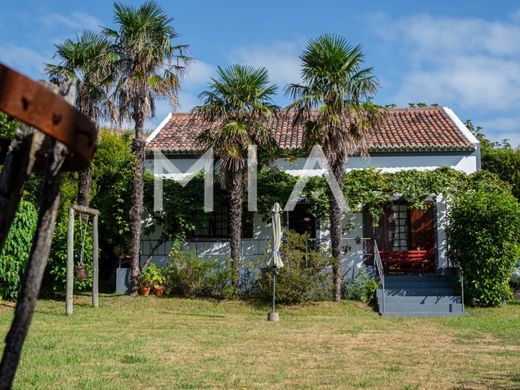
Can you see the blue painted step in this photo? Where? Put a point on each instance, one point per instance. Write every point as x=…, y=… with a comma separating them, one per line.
x=397, y=307
x=417, y=291
x=409, y=295
x=422, y=299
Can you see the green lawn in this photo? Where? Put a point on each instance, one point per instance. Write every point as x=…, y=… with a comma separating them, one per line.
x=151, y=343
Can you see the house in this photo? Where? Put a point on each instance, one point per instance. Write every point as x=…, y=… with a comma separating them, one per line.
x=410, y=138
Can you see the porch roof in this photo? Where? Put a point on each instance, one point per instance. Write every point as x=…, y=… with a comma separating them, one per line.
x=404, y=130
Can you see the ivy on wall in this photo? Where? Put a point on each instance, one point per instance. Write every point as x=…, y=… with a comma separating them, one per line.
x=370, y=188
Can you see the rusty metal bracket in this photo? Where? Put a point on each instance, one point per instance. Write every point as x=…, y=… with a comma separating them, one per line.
x=34, y=104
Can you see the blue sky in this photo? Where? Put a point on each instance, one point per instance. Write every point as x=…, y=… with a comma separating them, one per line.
x=463, y=54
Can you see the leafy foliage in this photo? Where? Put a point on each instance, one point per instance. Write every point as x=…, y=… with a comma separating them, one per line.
x=58, y=257
x=500, y=158
x=362, y=288
x=16, y=250
x=190, y=276
x=7, y=126
x=111, y=186
x=112, y=175
x=152, y=276
x=303, y=278
x=484, y=236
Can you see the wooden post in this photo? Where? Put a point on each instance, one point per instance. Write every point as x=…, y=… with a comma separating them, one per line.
x=35, y=268
x=70, y=264
x=37, y=262
x=18, y=165
x=95, y=260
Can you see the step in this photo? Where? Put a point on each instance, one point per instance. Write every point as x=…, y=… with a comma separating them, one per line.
x=421, y=308
x=414, y=291
x=421, y=314
x=419, y=284
x=422, y=299
x=418, y=278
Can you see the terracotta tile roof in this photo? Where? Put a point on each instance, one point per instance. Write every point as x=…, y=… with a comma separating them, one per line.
x=405, y=129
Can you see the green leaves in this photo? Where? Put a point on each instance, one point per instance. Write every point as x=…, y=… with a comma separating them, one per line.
x=484, y=236
x=240, y=101
x=15, y=253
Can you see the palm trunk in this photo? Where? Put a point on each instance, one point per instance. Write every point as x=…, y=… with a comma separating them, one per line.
x=136, y=210
x=336, y=231
x=235, y=224
x=84, y=186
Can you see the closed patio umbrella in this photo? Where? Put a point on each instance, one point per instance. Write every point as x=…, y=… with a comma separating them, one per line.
x=275, y=263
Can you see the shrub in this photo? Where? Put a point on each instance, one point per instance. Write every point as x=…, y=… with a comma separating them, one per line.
x=362, y=288
x=303, y=277
x=16, y=250
x=190, y=276
x=484, y=237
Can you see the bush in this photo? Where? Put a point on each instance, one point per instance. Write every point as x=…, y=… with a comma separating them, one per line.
x=303, y=277
x=484, y=237
x=191, y=276
x=16, y=250
x=363, y=288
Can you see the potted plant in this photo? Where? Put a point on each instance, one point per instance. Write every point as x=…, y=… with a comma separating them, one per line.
x=158, y=280
x=146, y=280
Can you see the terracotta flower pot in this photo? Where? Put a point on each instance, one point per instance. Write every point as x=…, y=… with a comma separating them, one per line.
x=144, y=290
x=81, y=273
x=158, y=291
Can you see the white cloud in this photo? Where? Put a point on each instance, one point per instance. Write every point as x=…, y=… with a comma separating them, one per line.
x=199, y=73
x=467, y=62
x=281, y=59
x=23, y=59
x=78, y=21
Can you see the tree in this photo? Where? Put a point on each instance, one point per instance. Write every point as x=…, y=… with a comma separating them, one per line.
x=237, y=107
x=335, y=84
x=149, y=67
x=90, y=61
x=499, y=157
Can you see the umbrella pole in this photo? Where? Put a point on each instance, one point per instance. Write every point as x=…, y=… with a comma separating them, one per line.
x=273, y=316
x=274, y=291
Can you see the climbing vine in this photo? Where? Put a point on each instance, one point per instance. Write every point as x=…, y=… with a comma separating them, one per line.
x=369, y=188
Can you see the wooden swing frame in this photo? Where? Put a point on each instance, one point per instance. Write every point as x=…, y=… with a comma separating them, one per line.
x=82, y=210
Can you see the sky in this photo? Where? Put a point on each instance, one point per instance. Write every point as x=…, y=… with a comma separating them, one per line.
x=462, y=54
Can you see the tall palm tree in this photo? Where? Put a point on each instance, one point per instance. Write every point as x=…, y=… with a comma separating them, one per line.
x=149, y=67
x=237, y=107
x=334, y=102
x=89, y=60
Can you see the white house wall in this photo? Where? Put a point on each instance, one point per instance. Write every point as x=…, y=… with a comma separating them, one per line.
x=464, y=162
x=258, y=245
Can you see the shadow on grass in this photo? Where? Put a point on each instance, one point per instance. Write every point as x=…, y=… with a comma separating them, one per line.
x=502, y=381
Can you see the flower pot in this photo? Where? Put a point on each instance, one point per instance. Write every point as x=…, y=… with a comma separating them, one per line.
x=144, y=290
x=158, y=291
x=81, y=273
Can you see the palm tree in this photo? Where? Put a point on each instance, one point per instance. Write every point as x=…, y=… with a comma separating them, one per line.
x=89, y=60
x=239, y=102
x=334, y=103
x=149, y=67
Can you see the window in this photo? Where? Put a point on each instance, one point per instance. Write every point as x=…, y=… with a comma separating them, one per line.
x=217, y=224
x=400, y=227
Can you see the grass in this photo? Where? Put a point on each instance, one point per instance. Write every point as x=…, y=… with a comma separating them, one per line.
x=153, y=343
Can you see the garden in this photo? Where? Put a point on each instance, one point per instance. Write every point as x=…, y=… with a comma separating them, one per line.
x=200, y=322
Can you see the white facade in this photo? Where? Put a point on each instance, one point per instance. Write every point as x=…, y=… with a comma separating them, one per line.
x=467, y=162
